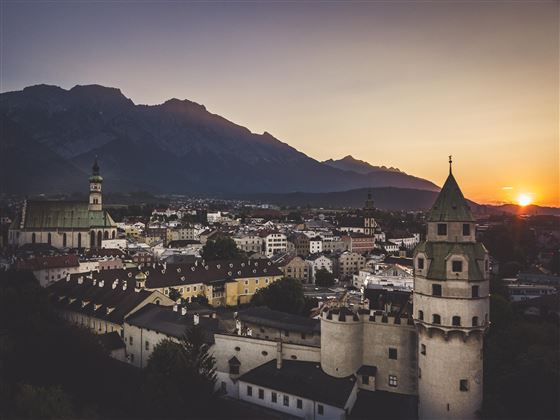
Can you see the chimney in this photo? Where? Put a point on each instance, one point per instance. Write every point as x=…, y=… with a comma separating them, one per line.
x=102, y=283
x=279, y=355
x=175, y=308
x=213, y=315
x=183, y=311
x=196, y=319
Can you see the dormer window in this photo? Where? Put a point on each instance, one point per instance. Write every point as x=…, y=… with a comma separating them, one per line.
x=457, y=266
x=442, y=229
x=420, y=263
x=466, y=229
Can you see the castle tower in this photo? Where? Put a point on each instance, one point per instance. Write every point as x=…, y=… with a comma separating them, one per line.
x=451, y=309
x=95, y=181
x=369, y=217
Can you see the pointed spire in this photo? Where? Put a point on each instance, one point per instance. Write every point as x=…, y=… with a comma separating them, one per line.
x=95, y=168
x=450, y=164
x=450, y=204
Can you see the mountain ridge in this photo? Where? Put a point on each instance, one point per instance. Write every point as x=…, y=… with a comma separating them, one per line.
x=174, y=147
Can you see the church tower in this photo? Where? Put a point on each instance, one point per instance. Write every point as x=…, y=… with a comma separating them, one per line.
x=95, y=181
x=369, y=219
x=451, y=309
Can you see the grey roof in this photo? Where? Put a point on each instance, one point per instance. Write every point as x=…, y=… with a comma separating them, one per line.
x=165, y=320
x=450, y=204
x=303, y=379
x=275, y=319
x=111, y=341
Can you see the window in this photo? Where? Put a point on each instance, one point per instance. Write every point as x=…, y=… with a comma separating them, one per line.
x=130, y=340
x=299, y=404
x=441, y=229
x=420, y=263
x=466, y=229
x=436, y=289
x=365, y=380
x=457, y=266
x=320, y=409
x=286, y=401
x=303, y=336
x=234, y=369
x=147, y=344
x=393, y=380
x=421, y=315
x=436, y=319
x=392, y=353
x=464, y=385
x=261, y=394
x=274, y=397
x=131, y=357
x=249, y=391
x=475, y=291
x=423, y=349
x=223, y=387
x=475, y=321
x=456, y=321
x=287, y=333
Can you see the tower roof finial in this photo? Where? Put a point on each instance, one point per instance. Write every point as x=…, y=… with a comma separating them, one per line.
x=95, y=168
x=450, y=164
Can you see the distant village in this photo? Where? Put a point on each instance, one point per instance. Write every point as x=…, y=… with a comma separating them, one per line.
x=397, y=299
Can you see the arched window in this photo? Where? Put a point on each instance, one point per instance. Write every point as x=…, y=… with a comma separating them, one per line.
x=49, y=238
x=113, y=235
x=456, y=321
x=436, y=319
x=421, y=315
x=64, y=240
x=475, y=321
x=33, y=238
x=79, y=240
x=106, y=235
x=92, y=239
x=99, y=236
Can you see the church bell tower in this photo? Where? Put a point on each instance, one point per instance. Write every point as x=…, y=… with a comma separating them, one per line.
x=95, y=181
x=451, y=309
x=369, y=216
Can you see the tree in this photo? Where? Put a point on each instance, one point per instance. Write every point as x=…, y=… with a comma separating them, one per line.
x=221, y=248
x=284, y=295
x=203, y=300
x=174, y=294
x=180, y=377
x=324, y=278
x=45, y=403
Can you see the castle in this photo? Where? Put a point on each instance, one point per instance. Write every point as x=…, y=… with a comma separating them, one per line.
x=65, y=224
x=426, y=344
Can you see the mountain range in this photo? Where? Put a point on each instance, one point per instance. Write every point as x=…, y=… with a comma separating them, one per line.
x=50, y=137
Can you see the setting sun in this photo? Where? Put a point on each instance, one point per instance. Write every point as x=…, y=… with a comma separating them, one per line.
x=524, y=199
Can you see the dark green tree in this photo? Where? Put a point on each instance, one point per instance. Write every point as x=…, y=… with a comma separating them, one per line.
x=284, y=295
x=324, y=278
x=180, y=377
x=174, y=294
x=34, y=402
x=203, y=300
x=221, y=248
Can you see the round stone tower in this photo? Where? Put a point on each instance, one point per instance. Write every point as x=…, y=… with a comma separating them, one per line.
x=341, y=342
x=95, y=181
x=451, y=309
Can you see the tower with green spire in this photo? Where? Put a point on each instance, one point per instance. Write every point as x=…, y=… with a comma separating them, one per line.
x=451, y=308
x=369, y=216
x=95, y=181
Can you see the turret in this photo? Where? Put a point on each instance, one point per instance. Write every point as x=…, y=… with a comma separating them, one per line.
x=95, y=181
x=451, y=309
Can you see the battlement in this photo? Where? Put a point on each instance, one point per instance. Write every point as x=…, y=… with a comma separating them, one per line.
x=346, y=315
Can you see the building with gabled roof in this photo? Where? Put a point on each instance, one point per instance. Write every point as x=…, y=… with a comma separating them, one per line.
x=65, y=224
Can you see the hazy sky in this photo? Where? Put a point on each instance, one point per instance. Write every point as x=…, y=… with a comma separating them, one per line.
x=395, y=83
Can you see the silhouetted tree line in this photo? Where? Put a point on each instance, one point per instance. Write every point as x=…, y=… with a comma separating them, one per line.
x=521, y=364
x=49, y=369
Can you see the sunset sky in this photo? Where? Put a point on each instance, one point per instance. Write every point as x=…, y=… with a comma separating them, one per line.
x=399, y=84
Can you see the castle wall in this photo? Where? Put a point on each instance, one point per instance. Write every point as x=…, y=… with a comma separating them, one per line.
x=341, y=345
x=378, y=338
x=445, y=364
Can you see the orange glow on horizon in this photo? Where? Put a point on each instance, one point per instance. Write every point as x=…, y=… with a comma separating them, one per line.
x=524, y=199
